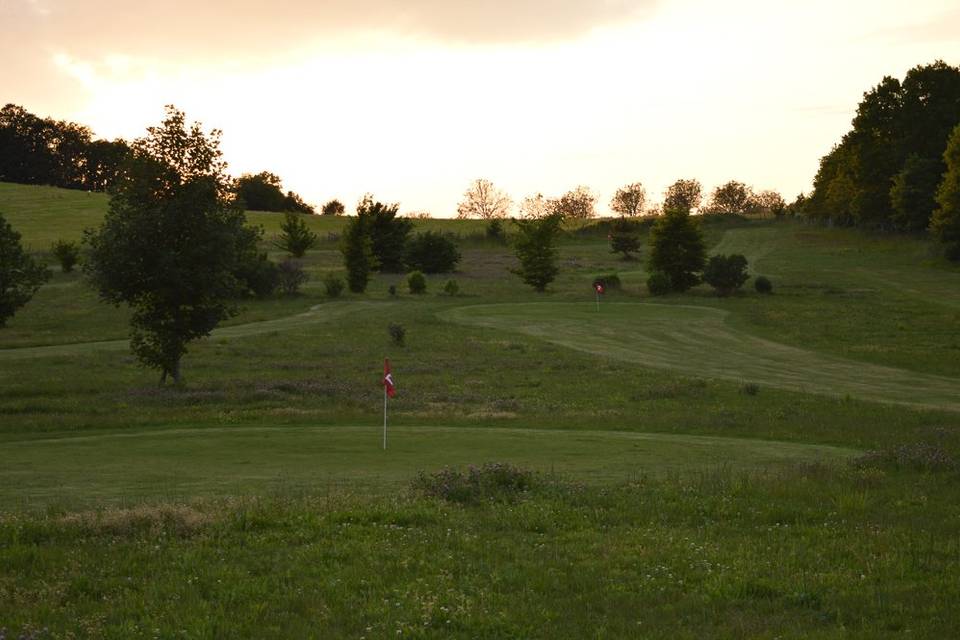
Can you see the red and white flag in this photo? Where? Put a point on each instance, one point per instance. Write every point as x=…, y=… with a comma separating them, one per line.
x=388, y=379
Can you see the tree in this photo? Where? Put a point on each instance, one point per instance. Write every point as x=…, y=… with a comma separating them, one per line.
x=171, y=244
x=20, y=276
x=333, y=208
x=295, y=236
x=260, y=192
x=726, y=274
x=677, y=249
x=624, y=237
x=629, y=200
x=432, y=252
x=536, y=207
x=535, y=246
x=358, y=258
x=576, y=204
x=66, y=253
x=683, y=195
x=945, y=223
x=913, y=194
x=731, y=198
x=483, y=200
x=388, y=232
x=769, y=202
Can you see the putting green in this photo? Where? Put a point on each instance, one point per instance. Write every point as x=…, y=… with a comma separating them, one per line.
x=697, y=341
x=184, y=463
x=317, y=313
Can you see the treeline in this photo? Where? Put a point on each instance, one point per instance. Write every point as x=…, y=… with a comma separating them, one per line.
x=886, y=172
x=35, y=150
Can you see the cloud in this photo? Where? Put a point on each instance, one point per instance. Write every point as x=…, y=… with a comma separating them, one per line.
x=180, y=27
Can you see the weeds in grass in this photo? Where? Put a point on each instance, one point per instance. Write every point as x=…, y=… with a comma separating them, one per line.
x=491, y=482
x=918, y=456
x=398, y=333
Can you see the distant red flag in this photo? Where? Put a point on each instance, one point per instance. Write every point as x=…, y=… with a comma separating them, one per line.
x=388, y=379
x=599, y=287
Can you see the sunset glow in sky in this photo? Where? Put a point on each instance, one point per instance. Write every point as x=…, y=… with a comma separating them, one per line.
x=413, y=100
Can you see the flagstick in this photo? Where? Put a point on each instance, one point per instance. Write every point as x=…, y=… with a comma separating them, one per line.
x=598, y=302
x=384, y=418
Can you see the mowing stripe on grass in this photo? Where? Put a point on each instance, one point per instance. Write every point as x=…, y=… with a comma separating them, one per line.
x=697, y=341
x=317, y=313
x=187, y=462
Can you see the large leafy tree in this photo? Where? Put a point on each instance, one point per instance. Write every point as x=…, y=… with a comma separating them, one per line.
x=20, y=276
x=576, y=204
x=536, y=249
x=945, y=223
x=357, y=249
x=171, y=243
x=677, y=249
x=730, y=198
x=683, y=195
x=629, y=200
x=388, y=232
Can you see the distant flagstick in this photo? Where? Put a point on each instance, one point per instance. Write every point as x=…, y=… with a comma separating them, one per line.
x=389, y=390
x=598, y=287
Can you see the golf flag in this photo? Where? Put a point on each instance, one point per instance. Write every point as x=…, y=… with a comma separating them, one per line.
x=599, y=287
x=388, y=379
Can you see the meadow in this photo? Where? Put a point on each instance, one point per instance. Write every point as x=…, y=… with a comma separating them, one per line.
x=753, y=466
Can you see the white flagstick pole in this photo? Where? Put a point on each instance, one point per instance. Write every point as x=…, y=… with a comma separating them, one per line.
x=597, y=291
x=384, y=417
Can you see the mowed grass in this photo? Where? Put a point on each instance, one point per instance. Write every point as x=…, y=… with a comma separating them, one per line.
x=185, y=463
x=687, y=487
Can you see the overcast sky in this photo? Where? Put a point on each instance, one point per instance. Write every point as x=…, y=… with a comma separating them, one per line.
x=412, y=100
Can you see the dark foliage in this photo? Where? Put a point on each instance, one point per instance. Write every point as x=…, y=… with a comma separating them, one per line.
x=259, y=275
x=171, y=244
x=763, y=285
x=451, y=288
x=535, y=246
x=609, y=281
x=291, y=276
x=333, y=286
x=398, y=333
x=492, y=482
x=388, y=233
x=333, y=208
x=495, y=230
x=358, y=258
x=658, y=284
x=945, y=224
x=295, y=236
x=264, y=192
x=432, y=252
x=677, y=249
x=726, y=274
x=417, y=283
x=66, y=253
x=20, y=276
x=624, y=237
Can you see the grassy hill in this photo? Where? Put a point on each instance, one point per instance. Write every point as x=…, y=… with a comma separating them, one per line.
x=691, y=454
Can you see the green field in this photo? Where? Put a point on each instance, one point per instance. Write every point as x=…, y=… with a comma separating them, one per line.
x=700, y=466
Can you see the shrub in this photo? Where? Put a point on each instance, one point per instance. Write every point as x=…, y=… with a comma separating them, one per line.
x=750, y=389
x=358, y=258
x=333, y=285
x=451, y=288
x=726, y=274
x=432, y=252
x=261, y=276
x=536, y=250
x=763, y=285
x=333, y=208
x=494, y=482
x=20, y=276
x=609, y=281
x=397, y=333
x=624, y=237
x=677, y=249
x=416, y=282
x=66, y=253
x=658, y=283
x=392, y=290
x=291, y=276
x=295, y=237
x=495, y=231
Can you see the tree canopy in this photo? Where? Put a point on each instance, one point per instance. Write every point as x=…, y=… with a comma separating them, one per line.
x=483, y=200
x=171, y=244
x=629, y=200
x=683, y=195
x=677, y=249
x=20, y=276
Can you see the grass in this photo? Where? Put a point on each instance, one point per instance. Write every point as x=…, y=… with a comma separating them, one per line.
x=693, y=452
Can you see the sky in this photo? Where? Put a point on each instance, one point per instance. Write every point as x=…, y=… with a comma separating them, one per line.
x=413, y=100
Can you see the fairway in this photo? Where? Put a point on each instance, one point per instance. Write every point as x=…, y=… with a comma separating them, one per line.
x=180, y=464
x=697, y=341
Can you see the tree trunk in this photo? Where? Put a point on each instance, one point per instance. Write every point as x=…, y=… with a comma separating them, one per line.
x=175, y=372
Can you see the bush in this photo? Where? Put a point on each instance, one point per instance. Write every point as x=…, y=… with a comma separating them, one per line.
x=20, y=276
x=763, y=285
x=397, y=334
x=609, y=281
x=451, y=288
x=392, y=290
x=624, y=237
x=261, y=276
x=536, y=250
x=432, y=252
x=494, y=482
x=417, y=283
x=291, y=276
x=658, y=283
x=333, y=285
x=295, y=237
x=726, y=274
x=677, y=249
x=358, y=258
x=495, y=231
x=66, y=253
